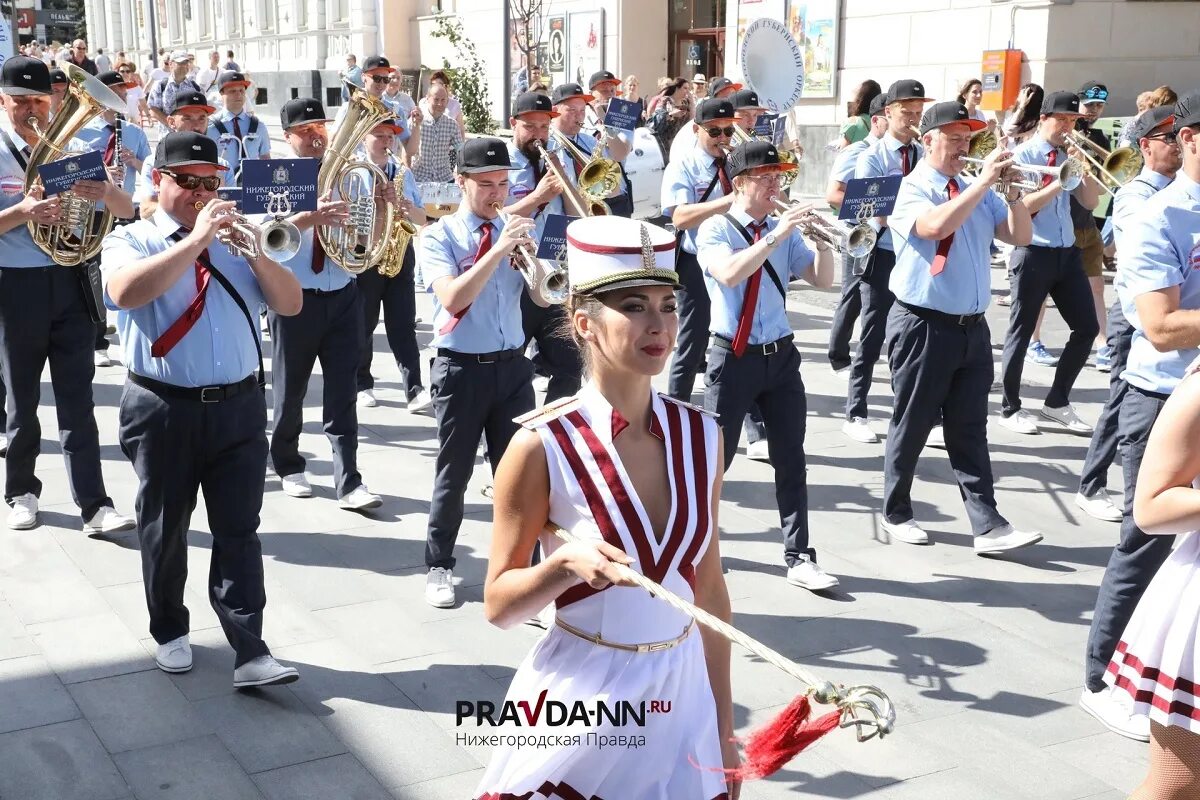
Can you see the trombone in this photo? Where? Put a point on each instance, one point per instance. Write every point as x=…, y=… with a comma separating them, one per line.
x=856, y=242
x=1118, y=167
x=575, y=198
x=984, y=143
x=599, y=177
x=548, y=286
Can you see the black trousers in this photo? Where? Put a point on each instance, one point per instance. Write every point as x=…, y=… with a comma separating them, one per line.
x=43, y=318
x=1103, y=448
x=329, y=329
x=557, y=355
x=773, y=383
x=470, y=400
x=621, y=206
x=1137, y=556
x=1038, y=273
x=877, y=301
x=845, y=315
x=179, y=448
x=694, y=319
x=940, y=372
x=398, y=298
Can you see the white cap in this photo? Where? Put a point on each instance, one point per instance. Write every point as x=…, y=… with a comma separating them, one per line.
x=178, y=56
x=605, y=253
x=699, y=78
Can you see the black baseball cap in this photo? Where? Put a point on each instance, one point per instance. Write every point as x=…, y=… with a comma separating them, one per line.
x=603, y=76
x=1061, y=103
x=301, y=111
x=718, y=85
x=907, y=89
x=746, y=100
x=232, y=78
x=111, y=78
x=191, y=99
x=754, y=154
x=1093, y=92
x=533, y=103
x=482, y=154
x=1187, y=110
x=23, y=75
x=185, y=148
x=58, y=76
x=1145, y=123
x=569, y=91
x=712, y=109
x=940, y=114
x=377, y=64
x=878, y=104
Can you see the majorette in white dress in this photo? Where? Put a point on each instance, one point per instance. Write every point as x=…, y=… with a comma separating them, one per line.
x=591, y=496
x=1155, y=661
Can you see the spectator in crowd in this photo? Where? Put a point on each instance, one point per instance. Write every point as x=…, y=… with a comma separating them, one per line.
x=230, y=65
x=79, y=57
x=970, y=94
x=161, y=96
x=352, y=73
x=134, y=94
x=652, y=103
x=453, y=107
x=856, y=128
x=440, y=138
x=633, y=95
x=207, y=77
x=103, y=62
x=673, y=111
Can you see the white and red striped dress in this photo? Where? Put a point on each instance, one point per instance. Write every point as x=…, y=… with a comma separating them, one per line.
x=591, y=496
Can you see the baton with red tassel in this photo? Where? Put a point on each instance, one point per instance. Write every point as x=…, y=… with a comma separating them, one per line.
x=867, y=709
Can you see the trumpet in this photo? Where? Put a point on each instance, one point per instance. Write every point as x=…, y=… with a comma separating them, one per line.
x=983, y=143
x=1070, y=174
x=856, y=242
x=280, y=238
x=1118, y=167
x=548, y=286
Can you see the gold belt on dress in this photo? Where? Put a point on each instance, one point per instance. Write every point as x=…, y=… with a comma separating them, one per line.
x=649, y=647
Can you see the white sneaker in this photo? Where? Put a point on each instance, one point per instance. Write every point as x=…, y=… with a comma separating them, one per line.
x=3, y=444
x=1021, y=422
x=107, y=520
x=296, y=485
x=856, y=428
x=263, y=671
x=1101, y=507
x=102, y=359
x=1003, y=539
x=909, y=532
x=360, y=500
x=1113, y=709
x=421, y=402
x=175, y=655
x=758, y=451
x=1067, y=417
x=439, y=588
x=937, y=438
x=366, y=399
x=807, y=575
x=24, y=514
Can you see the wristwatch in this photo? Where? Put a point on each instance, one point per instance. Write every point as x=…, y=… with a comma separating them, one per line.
x=770, y=239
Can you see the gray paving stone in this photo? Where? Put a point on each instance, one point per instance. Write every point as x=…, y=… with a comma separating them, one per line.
x=58, y=762
x=187, y=770
x=32, y=695
x=333, y=778
x=90, y=647
x=451, y=787
x=131, y=712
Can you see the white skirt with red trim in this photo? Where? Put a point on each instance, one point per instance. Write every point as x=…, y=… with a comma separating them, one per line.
x=1156, y=659
x=677, y=750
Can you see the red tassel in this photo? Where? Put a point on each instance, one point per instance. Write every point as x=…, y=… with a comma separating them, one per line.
x=769, y=748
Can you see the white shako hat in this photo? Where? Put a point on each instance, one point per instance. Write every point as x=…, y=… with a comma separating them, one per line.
x=605, y=253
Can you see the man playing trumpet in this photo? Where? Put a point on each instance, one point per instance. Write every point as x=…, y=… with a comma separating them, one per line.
x=939, y=346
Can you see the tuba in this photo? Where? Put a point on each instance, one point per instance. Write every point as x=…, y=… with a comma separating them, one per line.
x=76, y=237
x=399, y=236
x=354, y=246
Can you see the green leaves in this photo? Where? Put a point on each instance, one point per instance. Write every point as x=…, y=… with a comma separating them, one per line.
x=470, y=79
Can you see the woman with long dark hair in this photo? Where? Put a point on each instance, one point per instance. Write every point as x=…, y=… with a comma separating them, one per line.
x=856, y=128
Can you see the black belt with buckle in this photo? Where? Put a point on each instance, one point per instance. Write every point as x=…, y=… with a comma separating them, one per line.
x=930, y=315
x=768, y=349
x=481, y=358
x=326, y=293
x=203, y=394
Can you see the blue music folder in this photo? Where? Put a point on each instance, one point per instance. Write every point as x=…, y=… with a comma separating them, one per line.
x=764, y=128
x=622, y=115
x=879, y=193
x=59, y=176
x=233, y=193
x=554, y=236
x=296, y=176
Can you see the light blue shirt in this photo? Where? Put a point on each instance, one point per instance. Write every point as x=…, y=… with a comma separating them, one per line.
x=94, y=136
x=964, y=285
x=521, y=181
x=1052, y=226
x=401, y=105
x=329, y=279
x=219, y=349
x=883, y=159
x=684, y=182
x=718, y=241
x=257, y=144
x=409, y=188
x=493, y=321
x=16, y=246
x=1131, y=198
x=1160, y=249
x=847, y=160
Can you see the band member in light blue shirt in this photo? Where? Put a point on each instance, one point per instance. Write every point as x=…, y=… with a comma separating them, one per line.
x=238, y=134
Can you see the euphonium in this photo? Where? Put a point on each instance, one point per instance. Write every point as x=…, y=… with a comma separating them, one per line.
x=76, y=237
x=399, y=236
x=548, y=286
x=354, y=246
x=599, y=177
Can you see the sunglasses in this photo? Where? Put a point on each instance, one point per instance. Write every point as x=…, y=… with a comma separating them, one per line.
x=1100, y=95
x=380, y=78
x=714, y=132
x=192, y=182
x=1165, y=138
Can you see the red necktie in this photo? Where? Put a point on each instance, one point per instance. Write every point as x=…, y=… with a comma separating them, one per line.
x=485, y=244
x=741, y=337
x=179, y=328
x=943, y=248
x=723, y=176
x=1051, y=161
x=318, y=258
x=110, y=149
x=237, y=128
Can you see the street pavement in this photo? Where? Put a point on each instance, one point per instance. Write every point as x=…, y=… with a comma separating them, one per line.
x=983, y=658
